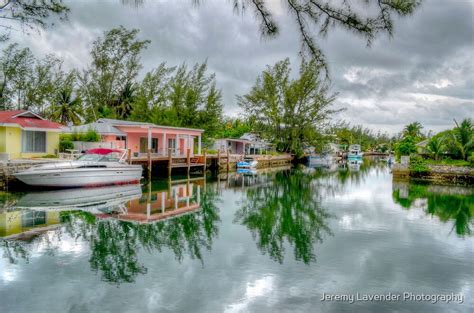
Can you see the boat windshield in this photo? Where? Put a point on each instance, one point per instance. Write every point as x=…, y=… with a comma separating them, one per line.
x=98, y=158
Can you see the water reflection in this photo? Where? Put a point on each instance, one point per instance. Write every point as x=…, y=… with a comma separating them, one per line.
x=284, y=208
x=448, y=203
x=116, y=222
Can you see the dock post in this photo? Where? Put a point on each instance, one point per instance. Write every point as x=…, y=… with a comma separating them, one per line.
x=149, y=164
x=218, y=161
x=228, y=161
x=205, y=161
x=129, y=156
x=170, y=162
x=188, y=159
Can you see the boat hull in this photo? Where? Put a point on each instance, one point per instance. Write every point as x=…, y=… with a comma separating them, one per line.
x=87, y=177
x=244, y=164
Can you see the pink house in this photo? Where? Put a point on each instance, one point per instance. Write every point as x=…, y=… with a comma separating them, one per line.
x=139, y=137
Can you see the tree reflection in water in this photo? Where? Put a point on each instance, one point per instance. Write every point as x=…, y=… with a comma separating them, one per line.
x=115, y=244
x=286, y=209
x=446, y=202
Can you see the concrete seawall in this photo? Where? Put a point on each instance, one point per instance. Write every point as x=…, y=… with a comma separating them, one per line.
x=440, y=174
x=8, y=168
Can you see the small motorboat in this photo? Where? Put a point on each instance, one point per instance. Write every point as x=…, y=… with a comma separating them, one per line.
x=98, y=167
x=247, y=163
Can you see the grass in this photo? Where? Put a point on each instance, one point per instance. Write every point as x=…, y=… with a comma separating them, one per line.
x=450, y=162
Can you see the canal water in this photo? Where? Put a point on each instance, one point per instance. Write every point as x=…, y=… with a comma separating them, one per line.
x=273, y=241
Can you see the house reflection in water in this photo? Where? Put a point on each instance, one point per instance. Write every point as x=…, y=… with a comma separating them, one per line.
x=21, y=221
x=179, y=199
x=36, y=212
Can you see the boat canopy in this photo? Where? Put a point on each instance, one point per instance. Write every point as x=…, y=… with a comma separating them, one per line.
x=102, y=151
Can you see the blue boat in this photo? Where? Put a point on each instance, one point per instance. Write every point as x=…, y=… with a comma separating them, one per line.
x=247, y=163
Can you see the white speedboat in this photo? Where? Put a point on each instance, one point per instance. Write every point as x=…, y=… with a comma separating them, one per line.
x=98, y=167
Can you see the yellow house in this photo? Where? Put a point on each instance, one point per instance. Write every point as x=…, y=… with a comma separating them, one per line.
x=24, y=134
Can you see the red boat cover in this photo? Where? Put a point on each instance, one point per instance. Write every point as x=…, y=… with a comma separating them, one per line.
x=102, y=151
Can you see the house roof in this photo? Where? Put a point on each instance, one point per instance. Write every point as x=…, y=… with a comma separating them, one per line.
x=27, y=120
x=100, y=128
x=422, y=143
x=141, y=124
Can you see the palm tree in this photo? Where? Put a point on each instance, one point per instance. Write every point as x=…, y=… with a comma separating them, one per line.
x=436, y=146
x=413, y=129
x=463, y=137
x=124, y=102
x=66, y=109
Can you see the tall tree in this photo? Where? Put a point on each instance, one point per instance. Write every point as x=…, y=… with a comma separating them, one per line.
x=289, y=112
x=46, y=76
x=413, y=130
x=67, y=109
x=15, y=66
x=115, y=63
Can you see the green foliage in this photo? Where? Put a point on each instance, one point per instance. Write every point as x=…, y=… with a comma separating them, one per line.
x=66, y=109
x=463, y=138
x=89, y=136
x=436, y=146
x=413, y=130
x=285, y=111
x=448, y=161
x=455, y=208
x=234, y=128
x=418, y=165
x=106, y=85
x=405, y=147
x=65, y=143
x=346, y=134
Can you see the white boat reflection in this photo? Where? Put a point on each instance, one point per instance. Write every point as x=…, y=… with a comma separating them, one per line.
x=93, y=200
x=40, y=211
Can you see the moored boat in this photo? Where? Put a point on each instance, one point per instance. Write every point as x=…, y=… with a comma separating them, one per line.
x=98, y=167
x=247, y=163
x=355, y=152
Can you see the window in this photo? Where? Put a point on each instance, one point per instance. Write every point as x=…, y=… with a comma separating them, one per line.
x=33, y=218
x=33, y=141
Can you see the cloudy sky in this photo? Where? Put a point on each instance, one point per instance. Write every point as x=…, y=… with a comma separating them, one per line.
x=424, y=73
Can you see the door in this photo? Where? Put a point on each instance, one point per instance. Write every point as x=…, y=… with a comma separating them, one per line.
x=172, y=145
x=144, y=145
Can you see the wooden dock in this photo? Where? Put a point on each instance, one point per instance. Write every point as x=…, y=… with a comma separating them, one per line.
x=220, y=162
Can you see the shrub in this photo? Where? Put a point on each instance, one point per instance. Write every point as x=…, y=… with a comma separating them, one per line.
x=418, y=164
x=470, y=159
x=65, y=143
x=405, y=147
x=90, y=136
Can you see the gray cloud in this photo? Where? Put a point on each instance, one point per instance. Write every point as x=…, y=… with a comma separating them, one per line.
x=425, y=72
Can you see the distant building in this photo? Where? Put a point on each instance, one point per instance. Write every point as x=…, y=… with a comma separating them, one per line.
x=24, y=134
x=139, y=136
x=421, y=146
x=248, y=143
